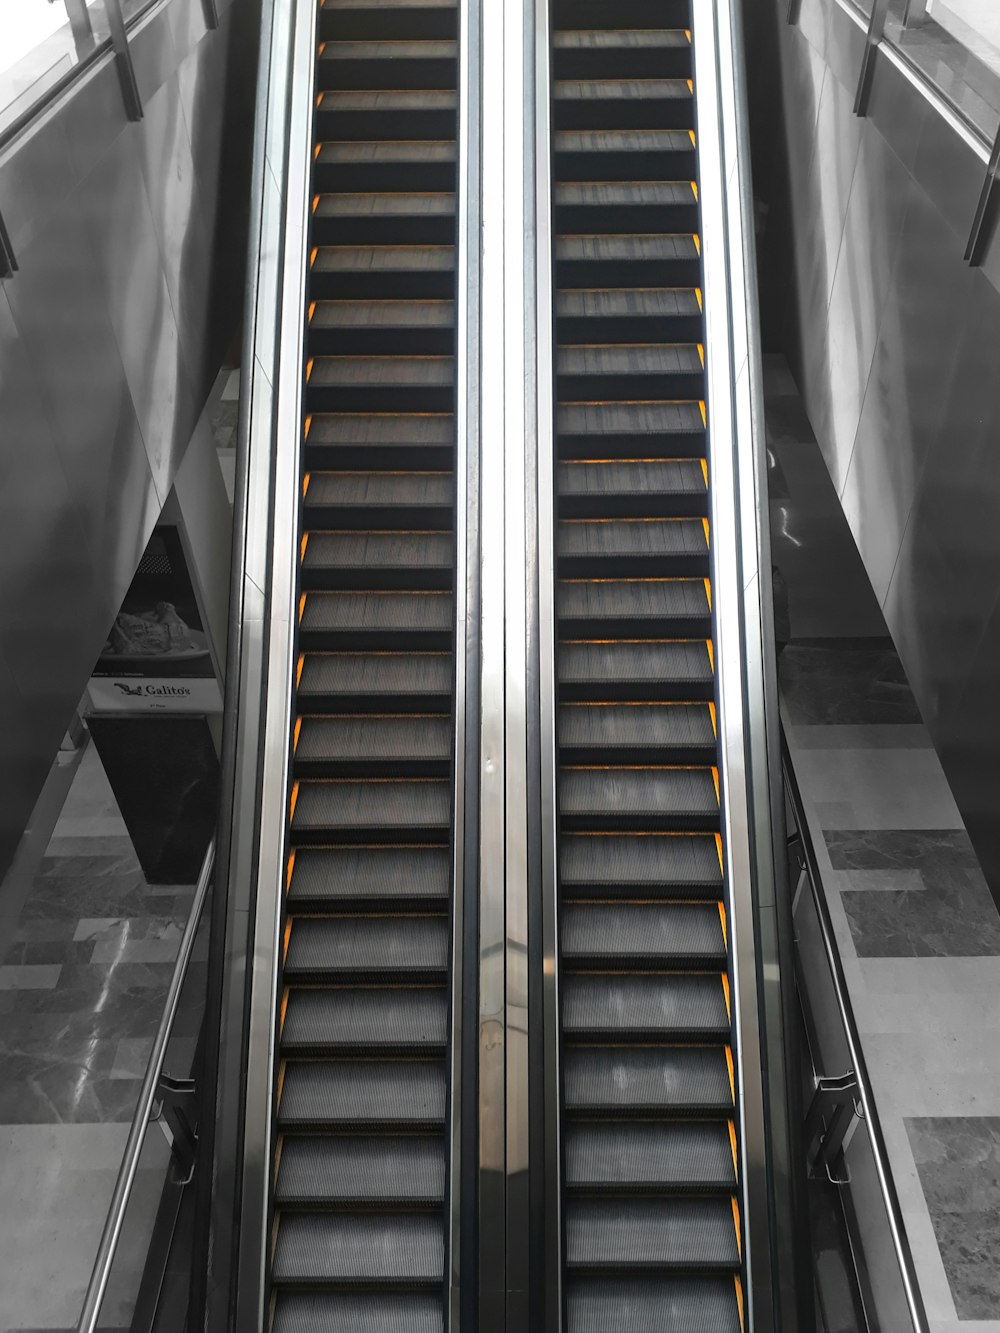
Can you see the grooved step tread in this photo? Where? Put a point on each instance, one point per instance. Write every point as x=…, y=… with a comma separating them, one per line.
x=380, y=371
x=357, y=1248
x=387, y=7
x=382, y=315
x=383, y=736
x=384, y=259
x=409, y=430
x=613, y=1305
x=620, y=90
x=352, y=152
x=358, y=1312
x=342, y=805
x=615, y=141
x=343, y=676
x=639, y=420
x=674, y=1006
x=619, y=666
x=614, y=726
x=365, y=1020
x=652, y=1234
x=356, y=1093
x=342, y=1170
x=401, y=946
x=634, y=249
x=398, y=611
x=375, y=205
x=390, y=50
x=634, y=302
x=624, y=1080
x=378, y=550
x=628, y=359
x=644, y=864
x=368, y=490
x=685, y=1155
x=639, y=478
x=609, y=797
x=388, y=99
x=635, y=537
x=337, y=875
x=630, y=934
x=619, y=39
x=649, y=599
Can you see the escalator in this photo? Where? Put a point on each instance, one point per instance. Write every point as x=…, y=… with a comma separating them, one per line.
x=358, y=1237
x=651, y=1218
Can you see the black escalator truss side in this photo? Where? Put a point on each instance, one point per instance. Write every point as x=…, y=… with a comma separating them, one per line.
x=360, y=1173
x=652, y=1227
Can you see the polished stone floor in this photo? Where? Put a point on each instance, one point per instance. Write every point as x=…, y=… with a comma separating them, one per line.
x=916, y=925
x=85, y=960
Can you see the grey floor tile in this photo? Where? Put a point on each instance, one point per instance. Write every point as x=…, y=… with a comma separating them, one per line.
x=958, y=1161
x=29, y=976
x=844, y=685
x=900, y=849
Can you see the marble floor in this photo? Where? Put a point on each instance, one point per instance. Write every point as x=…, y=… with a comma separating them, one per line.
x=86, y=954
x=916, y=925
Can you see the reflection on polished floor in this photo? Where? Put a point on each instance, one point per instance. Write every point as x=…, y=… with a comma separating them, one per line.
x=86, y=956
x=917, y=927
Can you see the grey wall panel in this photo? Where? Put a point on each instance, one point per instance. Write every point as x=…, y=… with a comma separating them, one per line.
x=893, y=340
x=130, y=243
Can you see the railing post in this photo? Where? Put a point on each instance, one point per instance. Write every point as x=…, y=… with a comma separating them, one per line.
x=8, y=263
x=876, y=31
x=982, y=223
x=123, y=59
x=211, y=11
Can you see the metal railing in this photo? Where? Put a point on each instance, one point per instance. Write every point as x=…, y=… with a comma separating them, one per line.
x=892, y=30
x=842, y=1103
x=155, y=1087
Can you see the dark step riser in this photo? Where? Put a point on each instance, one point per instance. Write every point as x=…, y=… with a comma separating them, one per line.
x=429, y=836
x=434, y=74
x=585, y=755
x=651, y=63
x=578, y=329
x=370, y=25
x=372, y=768
x=601, y=627
x=365, y=457
x=385, y=285
x=437, y=229
x=352, y=705
x=625, y=219
x=650, y=691
x=584, y=448
x=335, y=578
x=368, y=126
x=375, y=641
x=573, y=15
x=365, y=976
x=377, y=518
x=650, y=821
x=683, y=505
x=379, y=398
x=633, y=566
x=383, y=177
x=628, y=388
x=605, y=113
x=666, y=165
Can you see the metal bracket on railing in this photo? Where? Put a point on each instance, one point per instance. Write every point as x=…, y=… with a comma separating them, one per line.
x=792, y=12
x=832, y=1112
x=982, y=223
x=177, y=1098
x=123, y=59
x=876, y=31
x=8, y=264
x=211, y=11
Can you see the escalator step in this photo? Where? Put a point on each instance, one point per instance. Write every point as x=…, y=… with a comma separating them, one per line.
x=648, y=1235
x=404, y=948
x=331, y=876
x=637, y=934
x=634, y=608
x=354, y=811
x=648, y=430
x=366, y=114
x=671, y=864
x=361, y=1312
x=679, y=733
x=334, y=1171
x=383, y=272
x=411, y=744
x=639, y=479
x=611, y=544
x=373, y=500
x=347, y=682
x=624, y=372
x=370, y=560
x=365, y=1020
x=672, y=1006
x=678, y=669
x=357, y=1249
x=694, y=1304
x=398, y=328
x=390, y=439
x=644, y=1080
x=622, y=154
x=601, y=104
x=384, y=218
x=645, y=50
x=355, y=1094
x=376, y=620
x=639, y=260
x=603, y=207
x=613, y=799
x=374, y=383
x=387, y=64
x=684, y=1156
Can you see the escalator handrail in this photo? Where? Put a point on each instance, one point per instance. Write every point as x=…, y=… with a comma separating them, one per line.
x=852, y=1035
x=122, y=1193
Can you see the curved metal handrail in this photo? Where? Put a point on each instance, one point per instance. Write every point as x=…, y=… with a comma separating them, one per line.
x=111, y=1233
x=880, y=1154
